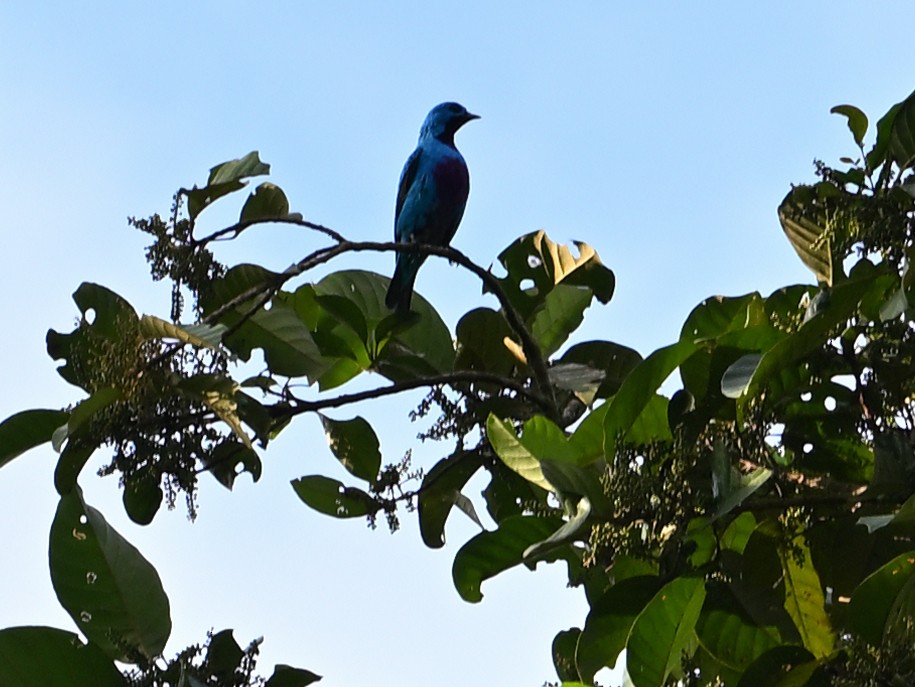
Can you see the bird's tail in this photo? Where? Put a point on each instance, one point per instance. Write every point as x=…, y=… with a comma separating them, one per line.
x=400, y=292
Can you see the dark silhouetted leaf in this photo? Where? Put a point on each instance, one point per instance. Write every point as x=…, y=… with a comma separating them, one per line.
x=331, y=497
x=48, y=657
x=857, y=121
x=355, y=445
x=26, y=430
x=112, y=592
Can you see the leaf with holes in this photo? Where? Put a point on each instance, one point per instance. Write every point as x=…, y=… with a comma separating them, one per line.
x=332, y=497
x=112, y=592
x=355, y=445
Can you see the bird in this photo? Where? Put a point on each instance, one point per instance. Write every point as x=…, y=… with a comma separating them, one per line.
x=431, y=197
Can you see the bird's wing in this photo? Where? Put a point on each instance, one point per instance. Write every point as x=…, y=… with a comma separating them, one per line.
x=407, y=177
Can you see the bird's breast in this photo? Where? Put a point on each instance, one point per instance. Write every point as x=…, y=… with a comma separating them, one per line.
x=451, y=180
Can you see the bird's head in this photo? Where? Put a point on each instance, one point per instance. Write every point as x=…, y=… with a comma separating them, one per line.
x=444, y=120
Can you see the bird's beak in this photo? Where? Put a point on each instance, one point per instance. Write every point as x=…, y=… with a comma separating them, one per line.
x=469, y=116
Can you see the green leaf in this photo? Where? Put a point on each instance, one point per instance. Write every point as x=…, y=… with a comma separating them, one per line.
x=770, y=668
x=563, y=651
x=513, y=453
x=331, y=497
x=639, y=389
x=857, y=121
x=48, y=657
x=664, y=631
x=804, y=599
x=71, y=462
x=729, y=635
x=566, y=533
x=560, y=314
x=742, y=490
x=224, y=178
x=490, y=553
x=440, y=491
x=902, y=136
x=142, y=496
x=112, y=592
x=268, y=201
x=424, y=348
x=26, y=430
x=481, y=335
x=609, y=621
x=355, y=445
x=875, y=597
x=287, y=676
x=878, y=154
x=614, y=360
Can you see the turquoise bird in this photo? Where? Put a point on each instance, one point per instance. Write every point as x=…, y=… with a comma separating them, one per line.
x=433, y=191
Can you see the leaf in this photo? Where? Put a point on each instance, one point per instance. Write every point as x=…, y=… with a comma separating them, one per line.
x=535, y=259
x=111, y=318
x=902, y=136
x=480, y=335
x=489, y=553
x=804, y=600
x=287, y=676
x=224, y=656
x=428, y=341
x=745, y=487
x=268, y=201
x=26, y=430
x=878, y=154
x=112, y=592
x=609, y=621
x=857, y=121
x=200, y=335
x=355, y=445
x=560, y=314
x=224, y=178
x=563, y=651
x=513, y=453
x=49, y=657
x=639, y=389
x=729, y=635
x=874, y=598
x=566, y=532
x=142, y=496
x=441, y=491
x=805, y=228
x=613, y=360
x=331, y=497
x=736, y=379
x=226, y=459
x=226, y=408
x=663, y=631
x=769, y=668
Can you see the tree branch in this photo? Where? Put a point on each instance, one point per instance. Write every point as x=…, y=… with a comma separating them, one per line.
x=469, y=376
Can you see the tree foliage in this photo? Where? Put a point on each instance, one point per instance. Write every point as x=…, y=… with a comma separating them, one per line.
x=755, y=527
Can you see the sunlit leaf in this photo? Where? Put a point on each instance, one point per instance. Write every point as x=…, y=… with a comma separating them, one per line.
x=663, y=631
x=267, y=201
x=857, y=121
x=804, y=600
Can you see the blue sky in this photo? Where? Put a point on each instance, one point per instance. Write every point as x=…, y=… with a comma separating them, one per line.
x=663, y=134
